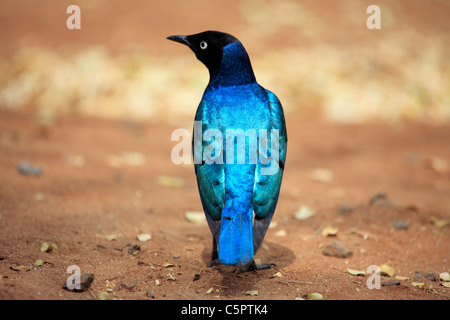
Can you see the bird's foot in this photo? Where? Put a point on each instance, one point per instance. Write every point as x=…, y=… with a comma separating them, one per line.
x=254, y=267
x=214, y=262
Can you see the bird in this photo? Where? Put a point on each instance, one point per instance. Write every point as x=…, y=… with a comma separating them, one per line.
x=238, y=197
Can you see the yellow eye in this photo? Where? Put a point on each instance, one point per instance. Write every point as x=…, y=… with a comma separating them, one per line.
x=203, y=45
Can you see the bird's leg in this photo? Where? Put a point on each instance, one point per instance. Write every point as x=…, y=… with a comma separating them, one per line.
x=253, y=267
x=214, y=254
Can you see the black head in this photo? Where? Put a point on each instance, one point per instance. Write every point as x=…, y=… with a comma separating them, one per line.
x=207, y=46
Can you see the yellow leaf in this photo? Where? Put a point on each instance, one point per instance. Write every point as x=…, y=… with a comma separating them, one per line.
x=417, y=284
x=356, y=272
x=315, y=296
x=144, y=237
x=444, y=276
x=170, y=181
x=440, y=223
x=386, y=270
x=38, y=263
x=48, y=246
x=329, y=231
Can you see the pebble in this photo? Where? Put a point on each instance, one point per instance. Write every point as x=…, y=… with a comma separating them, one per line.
x=400, y=225
x=345, y=208
x=85, y=282
x=427, y=275
x=27, y=169
x=134, y=249
x=337, y=249
x=150, y=293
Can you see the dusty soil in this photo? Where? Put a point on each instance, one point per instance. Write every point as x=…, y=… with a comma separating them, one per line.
x=79, y=205
x=103, y=182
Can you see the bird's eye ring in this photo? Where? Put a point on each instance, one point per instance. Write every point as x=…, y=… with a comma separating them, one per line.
x=203, y=45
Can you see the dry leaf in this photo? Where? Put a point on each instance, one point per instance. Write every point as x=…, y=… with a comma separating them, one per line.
x=19, y=268
x=356, y=272
x=440, y=223
x=38, y=263
x=304, y=213
x=277, y=275
x=439, y=165
x=76, y=161
x=170, y=181
x=252, y=293
x=446, y=284
x=209, y=290
x=109, y=237
x=386, y=270
x=315, y=296
x=167, y=265
x=102, y=295
x=444, y=276
x=417, y=284
x=322, y=175
x=329, y=231
x=195, y=216
x=144, y=237
x=48, y=246
x=133, y=158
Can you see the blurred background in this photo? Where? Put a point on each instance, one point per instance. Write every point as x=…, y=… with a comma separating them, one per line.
x=317, y=56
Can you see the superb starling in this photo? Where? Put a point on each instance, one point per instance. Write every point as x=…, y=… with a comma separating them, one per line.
x=239, y=183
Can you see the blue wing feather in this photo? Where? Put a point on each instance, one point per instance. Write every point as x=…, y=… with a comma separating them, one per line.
x=267, y=187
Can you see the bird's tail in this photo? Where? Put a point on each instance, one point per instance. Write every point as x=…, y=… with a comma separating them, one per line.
x=235, y=243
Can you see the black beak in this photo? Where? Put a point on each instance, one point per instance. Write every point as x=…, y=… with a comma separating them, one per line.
x=180, y=39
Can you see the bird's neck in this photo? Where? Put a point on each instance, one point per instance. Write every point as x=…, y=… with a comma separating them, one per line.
x=235, y=69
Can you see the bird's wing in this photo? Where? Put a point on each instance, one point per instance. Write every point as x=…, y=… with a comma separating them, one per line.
x=267, y=187
x=210, y=180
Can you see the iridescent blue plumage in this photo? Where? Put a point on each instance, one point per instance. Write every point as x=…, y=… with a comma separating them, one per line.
x=239, y=199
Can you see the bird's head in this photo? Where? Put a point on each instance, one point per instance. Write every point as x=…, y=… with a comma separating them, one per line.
x=214, y=48
x=207, y=46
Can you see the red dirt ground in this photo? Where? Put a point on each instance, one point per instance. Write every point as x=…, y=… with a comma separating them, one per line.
x=76, y=207
x=79, y=204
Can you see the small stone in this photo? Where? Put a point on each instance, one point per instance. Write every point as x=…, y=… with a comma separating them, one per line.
x=134, y=249
x=196, y=277
x=400, y=225
x=150, y=293
x=345, y=208
x=337, y=249
x=85, y=282
x=427, y=275
x=390, y=283
x=27, y=169
x=381, y=200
